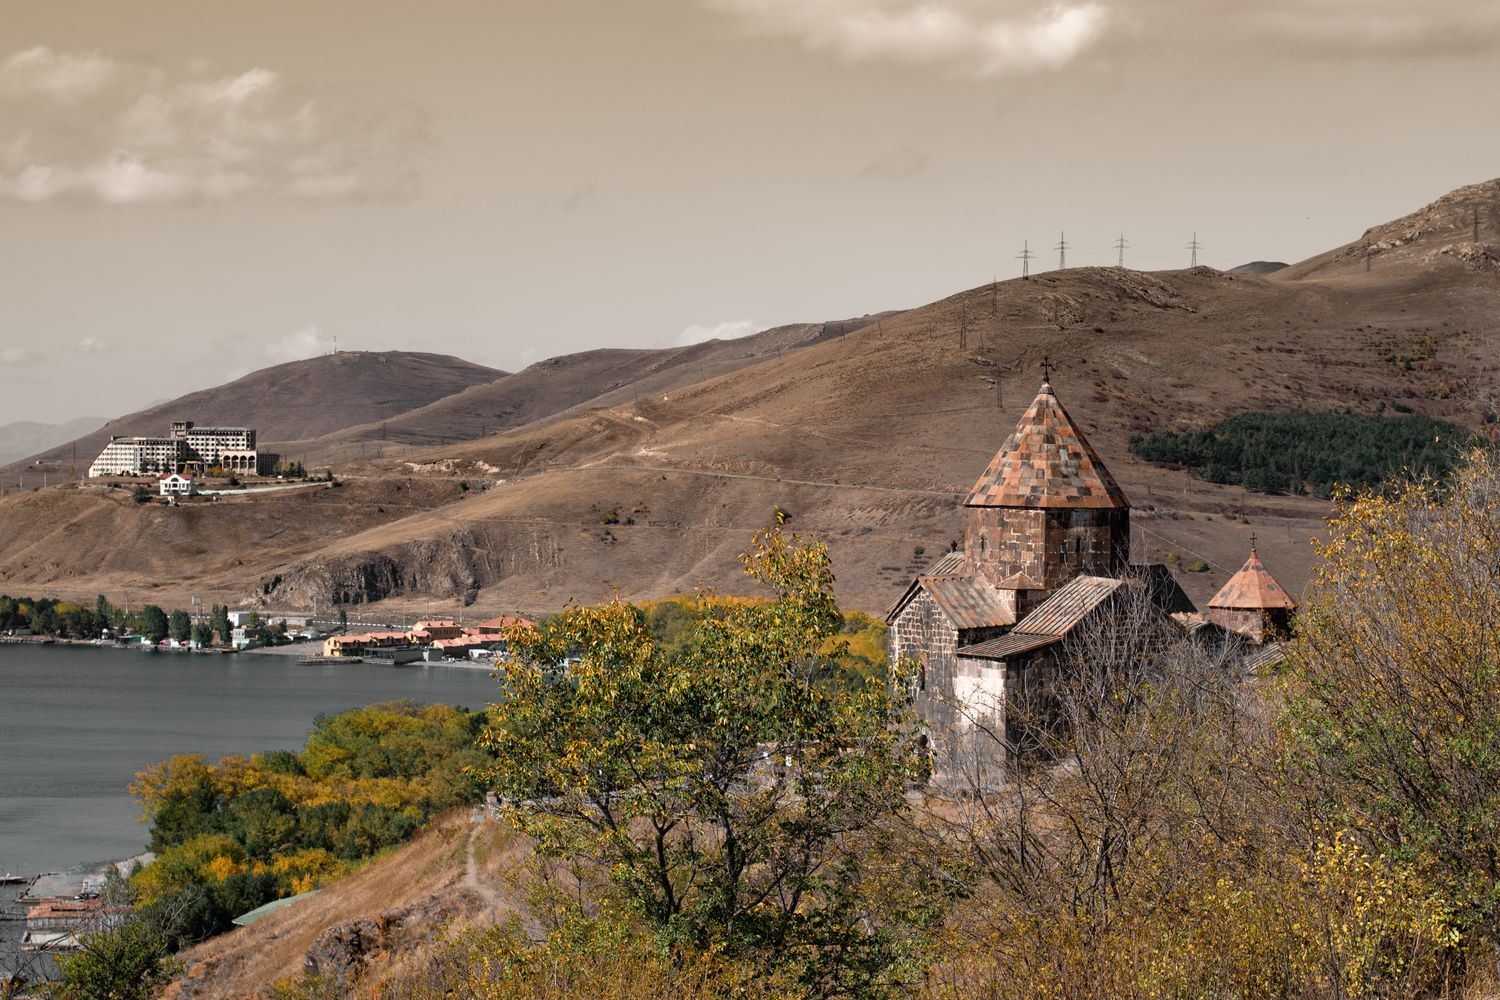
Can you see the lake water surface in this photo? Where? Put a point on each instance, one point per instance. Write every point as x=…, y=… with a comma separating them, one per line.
x=76, y=723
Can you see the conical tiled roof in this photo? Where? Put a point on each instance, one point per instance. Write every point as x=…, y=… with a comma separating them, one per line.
x=1046, y=463
x=1253, y=588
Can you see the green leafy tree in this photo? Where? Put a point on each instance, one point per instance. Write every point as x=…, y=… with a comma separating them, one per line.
x=140, y=494
x=127, y=962
x=153, y=623
x=739, y=798
x=180, y=626
x=203, y=634
x=221, y=624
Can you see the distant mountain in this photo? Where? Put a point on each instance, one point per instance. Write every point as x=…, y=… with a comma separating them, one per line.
x=27, y=437
x=296, y=400
x=587, y=379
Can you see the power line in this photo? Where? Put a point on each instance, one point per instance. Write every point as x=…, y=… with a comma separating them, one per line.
x=1121, y=245
x=1025, y=257
x=1195, y=246
x=1062, y=251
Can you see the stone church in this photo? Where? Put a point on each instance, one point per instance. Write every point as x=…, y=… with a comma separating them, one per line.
x=1046, y=548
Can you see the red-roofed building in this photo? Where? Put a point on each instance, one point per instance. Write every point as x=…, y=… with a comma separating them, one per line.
x=1252, y=603
x=177, y=484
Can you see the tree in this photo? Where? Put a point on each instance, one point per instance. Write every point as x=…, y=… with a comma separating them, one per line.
x=127, y=961
x=1395, y=710
x=180, y=626
x=140, y=494
x=203, y=635
x=343, y=619
x=221, y=624
x=740, y=798
x=153, y=624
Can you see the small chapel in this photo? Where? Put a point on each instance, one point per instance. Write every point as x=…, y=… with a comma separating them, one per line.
x=1046, y=548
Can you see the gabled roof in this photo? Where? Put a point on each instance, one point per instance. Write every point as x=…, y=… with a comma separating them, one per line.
x=1058, y=614
x=1253, y=588
x=1051, y=621
x=1048, y=463
x=969, y=601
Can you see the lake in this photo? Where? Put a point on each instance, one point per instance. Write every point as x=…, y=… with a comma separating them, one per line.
x=76, y=723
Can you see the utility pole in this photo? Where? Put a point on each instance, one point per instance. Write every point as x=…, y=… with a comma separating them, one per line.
x=1025, y=257
x=1062, y=251
x=1195, y=246
x=963, y=328
x=1476, y=223
x=1121, y=245
x=994, y=295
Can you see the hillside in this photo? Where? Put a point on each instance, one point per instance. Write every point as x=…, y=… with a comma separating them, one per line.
x=294, y=400
x=869, y=439
x=373, y=924
x=555, y=385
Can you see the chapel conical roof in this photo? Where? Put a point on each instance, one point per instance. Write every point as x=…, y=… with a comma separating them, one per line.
x=1253, y=588
x=1046, y=462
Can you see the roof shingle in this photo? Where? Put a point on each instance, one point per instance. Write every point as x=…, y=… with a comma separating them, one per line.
x=1253, y=588
x=1048, y=463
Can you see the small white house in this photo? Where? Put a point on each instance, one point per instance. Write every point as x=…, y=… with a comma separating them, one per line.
x=177, y=484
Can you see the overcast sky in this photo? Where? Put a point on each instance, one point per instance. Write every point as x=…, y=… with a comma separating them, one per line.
x=191, y=190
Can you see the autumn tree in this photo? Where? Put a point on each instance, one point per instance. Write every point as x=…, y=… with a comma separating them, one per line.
x=1395, y=713
x=738, y=797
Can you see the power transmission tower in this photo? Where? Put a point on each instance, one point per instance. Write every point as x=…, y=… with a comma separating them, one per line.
x=1062, y=251
x=1195, y=246
x=1025, y=257
x=1121, y=245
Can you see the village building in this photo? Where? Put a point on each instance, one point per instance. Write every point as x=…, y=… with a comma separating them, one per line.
x=177, y=484
x=1046, y=550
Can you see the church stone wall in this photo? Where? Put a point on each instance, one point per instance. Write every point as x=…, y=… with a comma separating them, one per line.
x=1048, y=546
x=954, y=695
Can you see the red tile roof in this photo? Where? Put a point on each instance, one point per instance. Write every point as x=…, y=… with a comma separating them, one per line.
x=1046, y=462
x=1253, y=588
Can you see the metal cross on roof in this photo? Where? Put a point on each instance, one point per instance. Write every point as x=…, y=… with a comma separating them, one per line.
x=1252, y=541
x=1047, y=369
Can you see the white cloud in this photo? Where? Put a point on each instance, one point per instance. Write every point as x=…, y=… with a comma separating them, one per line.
x=991, y=38
x=94, y=345
x=305, y=343
x=982, y=39
x=732, y=329
x=89, y=127
x=15, y=357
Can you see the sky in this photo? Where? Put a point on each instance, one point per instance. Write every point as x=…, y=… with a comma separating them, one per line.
x=193, y=189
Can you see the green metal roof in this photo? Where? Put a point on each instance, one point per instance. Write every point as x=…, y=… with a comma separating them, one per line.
x=246, y=919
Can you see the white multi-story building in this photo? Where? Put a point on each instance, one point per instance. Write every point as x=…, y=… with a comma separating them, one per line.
x=207, y=444
x=134, y=456
x=232, y=448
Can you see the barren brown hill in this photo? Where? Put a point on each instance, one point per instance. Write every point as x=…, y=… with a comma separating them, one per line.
x=295, y=400
x=1459, y=232
x=553, y=386
x=869, y=440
